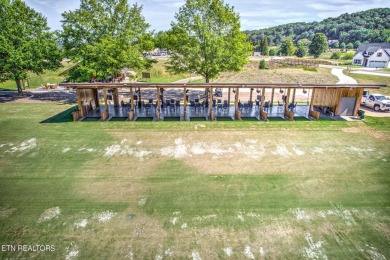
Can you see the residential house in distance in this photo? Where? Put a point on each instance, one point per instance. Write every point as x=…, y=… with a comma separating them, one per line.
x=372, y=55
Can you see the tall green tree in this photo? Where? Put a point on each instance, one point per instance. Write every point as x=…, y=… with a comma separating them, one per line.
x=206, y=39
x=287, y=47
x=26, y=44
x=302, y=47
x=264, y=47
x=318, y=45
x=105, y=36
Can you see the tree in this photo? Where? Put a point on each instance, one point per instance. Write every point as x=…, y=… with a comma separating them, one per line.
x=342, y=46
x=287, y=47
x=318, y=45
x=302, y=47
x=206, y=39
x=349, y=46
x=26, y=44
x=105, y=36
x=264, y=47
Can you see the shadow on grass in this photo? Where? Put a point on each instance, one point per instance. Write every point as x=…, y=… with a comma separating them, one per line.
x=224, y=118
x=194, y=118
x=118, y=119
x=278, y=118
x=171, y=118
x=63, y=117
x=144, y=119
x=249, y=118
x=301, y=118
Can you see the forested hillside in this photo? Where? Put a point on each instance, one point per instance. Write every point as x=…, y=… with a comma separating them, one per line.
x=367, y=26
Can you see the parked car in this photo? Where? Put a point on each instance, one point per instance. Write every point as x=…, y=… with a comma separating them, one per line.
x=376, y=101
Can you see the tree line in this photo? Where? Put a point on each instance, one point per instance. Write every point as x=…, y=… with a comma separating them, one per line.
x=367, y=26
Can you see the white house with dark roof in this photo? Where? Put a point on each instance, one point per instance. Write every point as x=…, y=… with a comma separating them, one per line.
x=373, y=55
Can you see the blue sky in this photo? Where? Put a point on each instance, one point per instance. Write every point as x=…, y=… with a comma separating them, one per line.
x=255, y=14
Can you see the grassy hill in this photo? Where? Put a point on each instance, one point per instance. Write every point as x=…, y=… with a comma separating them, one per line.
x=38, y=80
x=371, y=25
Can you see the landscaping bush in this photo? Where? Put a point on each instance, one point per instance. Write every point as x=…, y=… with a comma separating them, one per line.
x=336, y=55
x=273, y=52
x=348, y=55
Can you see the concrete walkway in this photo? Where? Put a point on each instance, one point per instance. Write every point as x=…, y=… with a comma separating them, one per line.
x=343, y=79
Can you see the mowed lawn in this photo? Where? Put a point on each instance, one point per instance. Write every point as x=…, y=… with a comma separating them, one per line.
x=192, y=190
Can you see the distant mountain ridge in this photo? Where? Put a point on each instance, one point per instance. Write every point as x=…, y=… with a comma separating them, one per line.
x=367, y=26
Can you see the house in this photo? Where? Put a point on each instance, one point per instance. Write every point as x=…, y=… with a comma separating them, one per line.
x=373, y=55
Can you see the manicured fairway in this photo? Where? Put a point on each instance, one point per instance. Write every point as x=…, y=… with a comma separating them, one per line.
x=192, y=190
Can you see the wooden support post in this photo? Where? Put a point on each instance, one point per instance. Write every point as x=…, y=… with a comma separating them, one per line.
x=336, y=111
x=105, y=114
x=96, y=97
x=287, y=99
x=272, y=97
x=158, y=112
x=262, y=99
x=293, y=98
x=131, y=113
x=237, y=112
x=139, y=98
x=211, y=114
x=250, y=97
x=359, y=94
x=79, y=102
x=185, y=104
x=312, y=99
x=115, y=95
x=229, y=98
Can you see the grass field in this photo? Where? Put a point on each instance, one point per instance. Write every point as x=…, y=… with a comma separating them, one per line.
x=252, y=74
x=372, y=79
x=192, y=190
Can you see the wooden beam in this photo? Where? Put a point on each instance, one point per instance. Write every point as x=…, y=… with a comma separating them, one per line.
x=272, y=97
x=219, y=85
x=185, y=104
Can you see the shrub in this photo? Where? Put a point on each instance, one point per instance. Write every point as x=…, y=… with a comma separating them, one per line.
x=262, y=64
x=336, y=55
x=348, y=55
x=273, y=52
